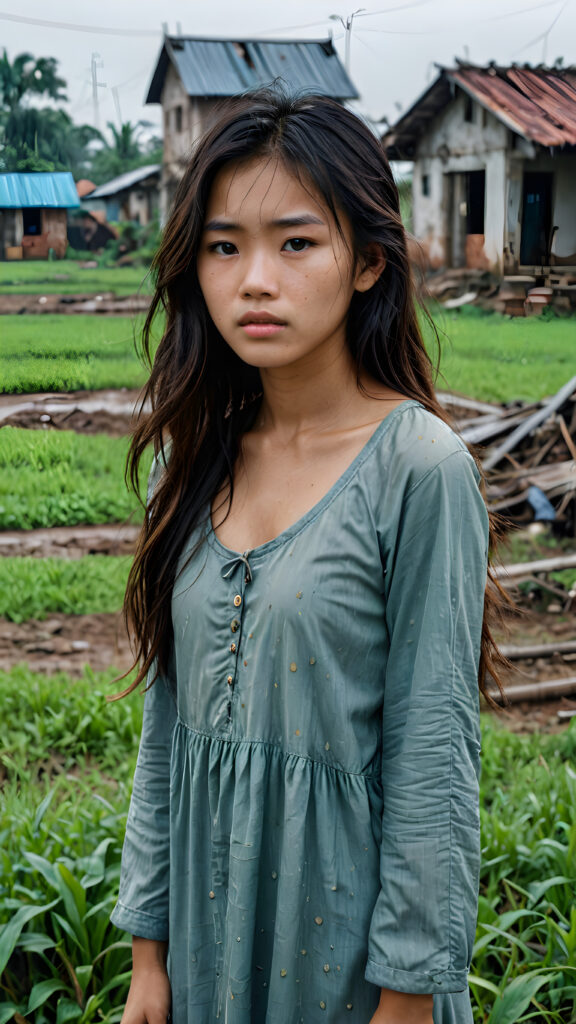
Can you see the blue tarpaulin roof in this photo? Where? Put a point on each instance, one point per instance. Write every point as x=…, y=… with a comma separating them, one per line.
x=56, y=189
x=221, y=67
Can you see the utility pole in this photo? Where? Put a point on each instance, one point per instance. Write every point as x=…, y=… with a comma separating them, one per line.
x=116, y=98
x=95, y=64
x=347, y=26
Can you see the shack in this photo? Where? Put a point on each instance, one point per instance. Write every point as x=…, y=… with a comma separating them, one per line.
x=192, y=75
x=131, y=196
x=33, y=214
x=494, y=183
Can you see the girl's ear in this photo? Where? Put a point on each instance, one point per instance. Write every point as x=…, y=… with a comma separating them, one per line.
x=372, y=265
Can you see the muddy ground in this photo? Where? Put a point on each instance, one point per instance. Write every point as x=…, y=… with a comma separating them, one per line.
x=70, y=542
x=104, y=304
x=86, y=412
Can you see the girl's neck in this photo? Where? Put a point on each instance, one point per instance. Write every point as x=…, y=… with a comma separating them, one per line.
x=315, y=396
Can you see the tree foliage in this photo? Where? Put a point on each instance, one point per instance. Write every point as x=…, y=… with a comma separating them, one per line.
x=28, y=76
x=37, y=135
x=34, y=138
x=130, y=147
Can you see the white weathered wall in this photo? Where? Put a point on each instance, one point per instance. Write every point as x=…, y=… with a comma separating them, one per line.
x=197, y=113
x=453, y=145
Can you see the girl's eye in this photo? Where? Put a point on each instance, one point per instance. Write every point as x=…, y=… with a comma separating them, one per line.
x=224, y=248
x=296, y=244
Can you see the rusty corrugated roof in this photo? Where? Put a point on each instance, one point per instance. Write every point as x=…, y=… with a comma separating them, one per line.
x=537, y=103
x=528, y=100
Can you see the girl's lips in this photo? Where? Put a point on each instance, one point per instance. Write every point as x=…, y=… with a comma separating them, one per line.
x=262, y=329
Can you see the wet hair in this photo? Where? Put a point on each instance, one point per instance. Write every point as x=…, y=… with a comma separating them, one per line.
x=203, y=397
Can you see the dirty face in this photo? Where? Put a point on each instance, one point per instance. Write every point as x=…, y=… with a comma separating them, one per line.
x=275, y=270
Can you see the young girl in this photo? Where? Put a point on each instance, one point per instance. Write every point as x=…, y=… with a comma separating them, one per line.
x=307, y=594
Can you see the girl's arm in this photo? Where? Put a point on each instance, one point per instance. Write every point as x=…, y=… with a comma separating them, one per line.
x=400, y=1008
x=423, y=923
x=142, y=907
x=149, y=996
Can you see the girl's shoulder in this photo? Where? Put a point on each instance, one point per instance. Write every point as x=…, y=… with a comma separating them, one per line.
x=413, y=443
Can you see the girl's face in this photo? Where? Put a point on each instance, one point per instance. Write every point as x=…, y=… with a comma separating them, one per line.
x=276, y=274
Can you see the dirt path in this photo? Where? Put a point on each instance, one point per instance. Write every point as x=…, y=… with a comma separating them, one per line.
x=104, y=304
x=86, y=412
x=65, y=643
x=70, y=541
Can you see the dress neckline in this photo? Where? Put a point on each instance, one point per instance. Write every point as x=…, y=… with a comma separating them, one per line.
x=319, y=506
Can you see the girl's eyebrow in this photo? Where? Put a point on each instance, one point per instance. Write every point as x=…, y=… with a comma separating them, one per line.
x=282, y=222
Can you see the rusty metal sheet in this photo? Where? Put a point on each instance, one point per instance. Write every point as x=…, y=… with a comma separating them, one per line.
x=510, y=105
x=536, y=103
x=555, y=97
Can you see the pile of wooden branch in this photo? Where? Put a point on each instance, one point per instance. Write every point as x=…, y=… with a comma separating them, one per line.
x=528, y=452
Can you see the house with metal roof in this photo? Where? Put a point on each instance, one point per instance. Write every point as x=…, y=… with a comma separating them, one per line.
x=192, y=75
x=494, y=183
x=33, y=214
x=131, y=196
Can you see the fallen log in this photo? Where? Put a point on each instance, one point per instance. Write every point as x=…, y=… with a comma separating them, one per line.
x=531, y=568
x=513, y=652
x=547, y=690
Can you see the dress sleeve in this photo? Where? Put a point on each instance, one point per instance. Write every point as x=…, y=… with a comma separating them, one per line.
x=423, y=924
x=142, y=907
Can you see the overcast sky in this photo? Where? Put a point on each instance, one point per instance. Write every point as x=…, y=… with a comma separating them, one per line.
x=394, y=43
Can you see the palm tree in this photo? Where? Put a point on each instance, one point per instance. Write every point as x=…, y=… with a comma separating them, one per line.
x=27, y=75
x=33, y=139
x=128, y=150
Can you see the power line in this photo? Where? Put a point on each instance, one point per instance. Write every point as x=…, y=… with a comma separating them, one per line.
x=316, y=24
x=69, y=26
x=543, y=37
x=524, y=10
x=391, y=10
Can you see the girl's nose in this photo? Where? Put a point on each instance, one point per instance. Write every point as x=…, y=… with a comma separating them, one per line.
x=259, y=277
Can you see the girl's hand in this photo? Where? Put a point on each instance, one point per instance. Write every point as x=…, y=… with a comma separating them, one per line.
x=149, y=998
x=403, y=1008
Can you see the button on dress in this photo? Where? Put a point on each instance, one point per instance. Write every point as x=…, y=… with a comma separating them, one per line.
x=304, y=825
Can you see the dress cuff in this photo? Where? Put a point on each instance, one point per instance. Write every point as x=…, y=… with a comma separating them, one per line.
x=416, y=982
x=138, y=922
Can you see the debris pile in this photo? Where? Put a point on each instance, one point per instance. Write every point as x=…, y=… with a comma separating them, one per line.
x=514, y=294
x=528, y=452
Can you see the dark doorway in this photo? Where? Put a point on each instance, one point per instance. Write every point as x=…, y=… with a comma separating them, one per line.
x=475, y=201
x=32, y=218
x=536, y=218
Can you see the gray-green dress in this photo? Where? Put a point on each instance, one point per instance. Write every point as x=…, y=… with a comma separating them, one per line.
x=304, y=822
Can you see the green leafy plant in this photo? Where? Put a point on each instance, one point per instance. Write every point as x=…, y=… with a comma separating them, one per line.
x=61, y=478
x=32, y=588
x=67, y=760
x=66, y=353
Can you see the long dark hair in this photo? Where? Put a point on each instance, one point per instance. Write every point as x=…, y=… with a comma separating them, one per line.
x=202, y=396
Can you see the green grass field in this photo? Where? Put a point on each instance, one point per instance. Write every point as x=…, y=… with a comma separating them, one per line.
x=33, y=588
x=68, y=353
x=66, y=277
x=61, y=478
x=501, y=359
x=491, y=357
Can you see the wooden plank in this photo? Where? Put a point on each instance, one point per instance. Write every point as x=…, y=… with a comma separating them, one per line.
x=530, y=424
x=532, y=568
x=514, y=653
x=547, y=690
